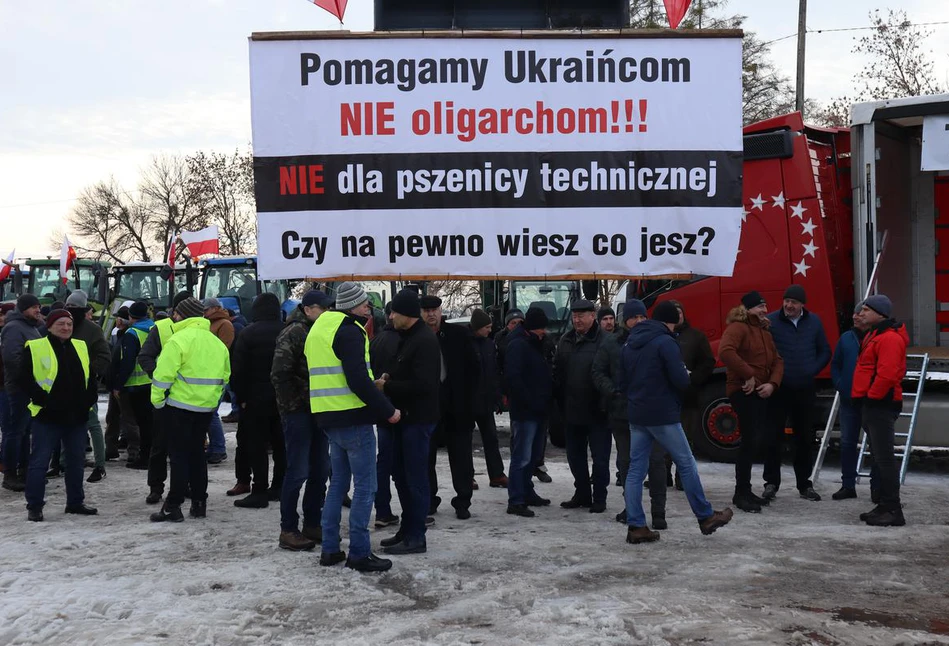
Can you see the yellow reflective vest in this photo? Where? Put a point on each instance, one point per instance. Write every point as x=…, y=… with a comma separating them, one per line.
x=192, y=368
x=46, y=367
x=329, y=390
x=138, y=376
x=166, y=327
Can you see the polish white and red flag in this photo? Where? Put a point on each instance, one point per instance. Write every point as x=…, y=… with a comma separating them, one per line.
x=172, y=252
x=676, y=10
x=66, y=258
x=7, y=266
x=203, y=242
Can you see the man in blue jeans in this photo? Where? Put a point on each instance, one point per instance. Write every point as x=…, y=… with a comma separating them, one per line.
x=529, y=387
x=414, y=385
x=347, y=403
x=841, y=374
x=21, y=325
x=307, y=449
x=654, y=377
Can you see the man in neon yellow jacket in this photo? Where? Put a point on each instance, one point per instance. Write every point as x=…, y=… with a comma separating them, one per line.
x=188, y=381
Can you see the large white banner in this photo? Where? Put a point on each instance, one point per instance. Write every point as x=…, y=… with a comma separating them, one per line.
x=484, y=157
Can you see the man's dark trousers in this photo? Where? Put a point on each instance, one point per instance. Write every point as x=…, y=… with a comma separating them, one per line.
x=189, y=465
x=456, y=434
x=796, y=404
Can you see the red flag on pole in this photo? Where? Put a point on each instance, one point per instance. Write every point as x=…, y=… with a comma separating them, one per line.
x=335, y=7
x=172, y=252
x=676, y=10
x=7, y=266
x=66, y=257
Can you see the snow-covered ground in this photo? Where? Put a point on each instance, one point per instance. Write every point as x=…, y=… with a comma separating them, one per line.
x=799, y=573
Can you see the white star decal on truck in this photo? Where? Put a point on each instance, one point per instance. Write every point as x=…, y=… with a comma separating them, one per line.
x=809, y=227
x=757, y=203
x=801, y=268
x=798, y=211
x=778, y=200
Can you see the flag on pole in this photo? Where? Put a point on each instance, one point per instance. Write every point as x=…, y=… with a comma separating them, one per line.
x=676, y=10
x=203, y=242
x=172, y=252
x=66, y=257
x=335, y=7
x=7, y=266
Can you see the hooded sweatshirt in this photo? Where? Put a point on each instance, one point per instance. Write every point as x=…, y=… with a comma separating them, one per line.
x=127, y=356
x=747, y=350
x=16, y=332
x=221, y=325
x=653, y=375
x=253, y=353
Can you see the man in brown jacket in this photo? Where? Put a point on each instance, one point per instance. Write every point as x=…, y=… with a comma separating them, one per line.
x=753, y=372
x=223, y=329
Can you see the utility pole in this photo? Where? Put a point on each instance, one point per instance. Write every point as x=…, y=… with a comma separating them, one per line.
x=801, y=41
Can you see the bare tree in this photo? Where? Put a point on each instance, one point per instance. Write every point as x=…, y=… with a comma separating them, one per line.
x=224, y=185
x=108, y=222
x=898, y=64
x=171, y=201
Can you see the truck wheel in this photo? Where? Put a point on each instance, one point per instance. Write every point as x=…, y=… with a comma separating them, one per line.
x=715, y=433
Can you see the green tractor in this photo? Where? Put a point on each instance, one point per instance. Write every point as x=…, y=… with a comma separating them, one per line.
x=91, y=276
x=149, y=282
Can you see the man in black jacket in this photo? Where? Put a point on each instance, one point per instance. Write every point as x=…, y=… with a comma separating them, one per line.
x=459, y=383
x=259, y=421
x=585, y=420
x=488, y=397
x=529, y=386
x=59, y=409
x=131, y=385
x=412, y=384
x=22, y=325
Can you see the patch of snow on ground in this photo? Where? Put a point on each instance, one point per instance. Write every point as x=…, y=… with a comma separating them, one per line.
x=798, y=573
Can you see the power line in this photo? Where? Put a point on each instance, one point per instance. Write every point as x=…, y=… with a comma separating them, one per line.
x=827, y=31
x=23, y=206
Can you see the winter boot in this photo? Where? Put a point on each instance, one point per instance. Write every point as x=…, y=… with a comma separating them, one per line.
x=295, y=542
x=891, y=517
x=746, y=503
x=256, y=500
x=520, y=510
x=844, y=493
x=716, y=520
x=12, y=483
x=371, y=563
x=167, y=514
x=199, y=509
x=238, y=489
x=635, y=535
x=154, y=496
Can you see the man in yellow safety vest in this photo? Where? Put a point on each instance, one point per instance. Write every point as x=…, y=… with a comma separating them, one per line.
x=130, y=383
x=188, y=380
x=56, y=375
x=347, y=403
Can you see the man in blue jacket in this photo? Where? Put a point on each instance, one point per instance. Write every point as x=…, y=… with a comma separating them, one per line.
x=655, y=378
x=841, y=373
x=529, y=386
x=801, y=342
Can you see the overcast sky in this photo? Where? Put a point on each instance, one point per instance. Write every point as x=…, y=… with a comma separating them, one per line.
x=92, y=89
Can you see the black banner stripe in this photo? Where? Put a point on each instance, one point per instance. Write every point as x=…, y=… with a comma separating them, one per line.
x=497, y=180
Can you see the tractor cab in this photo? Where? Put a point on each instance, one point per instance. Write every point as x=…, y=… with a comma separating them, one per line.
x=233, y=281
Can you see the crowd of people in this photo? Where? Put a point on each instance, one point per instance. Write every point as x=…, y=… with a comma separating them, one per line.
x=343, y=405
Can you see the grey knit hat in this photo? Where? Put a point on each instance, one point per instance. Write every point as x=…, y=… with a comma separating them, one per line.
x=350, y=295
x=78, y=299
x=190, y=308
x=211, y=302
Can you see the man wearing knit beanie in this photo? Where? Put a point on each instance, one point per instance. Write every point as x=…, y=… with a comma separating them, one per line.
x=488, y=397
x=877, y=385
x=21, y=325
x=799, y=337
x=346, y=404
x=607, y=319
x=188, y=381
x=654, y=378
x=412, y=383
x=529, y=386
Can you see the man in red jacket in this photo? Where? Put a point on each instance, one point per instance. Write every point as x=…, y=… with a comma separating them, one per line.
x=877, y=381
